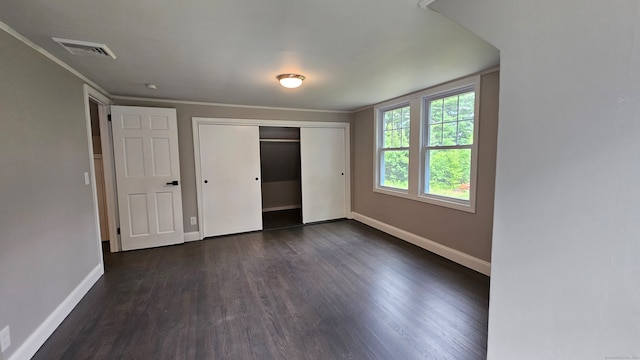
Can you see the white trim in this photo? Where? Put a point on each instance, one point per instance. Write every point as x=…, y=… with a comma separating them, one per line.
x=417, y=154
x=362, y=109
x=456, y=87
x=418, y=93
x=192, y=236
x=107, y=161
x=197, y=121
x=454, y=255
x=51, y=57
x=347, y=171
x=92, y=174
x=98, y=96
x=285, y=207
x=378, y=149
x=185, y=102
x=51, y=323
x=198, y=167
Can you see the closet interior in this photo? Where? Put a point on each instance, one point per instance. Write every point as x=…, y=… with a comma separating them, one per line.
x=280, y=169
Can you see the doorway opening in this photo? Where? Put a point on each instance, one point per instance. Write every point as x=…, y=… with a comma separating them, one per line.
x=103, y=174
x=281, y=174
x=99, y=174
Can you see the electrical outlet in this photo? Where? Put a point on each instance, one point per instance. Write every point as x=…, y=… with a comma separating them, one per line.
x=5, y=338
x=194, y=220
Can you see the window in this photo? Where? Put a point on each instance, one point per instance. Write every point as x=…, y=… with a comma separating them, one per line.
x=448, y=145
x=439, y=165
x=394, y=148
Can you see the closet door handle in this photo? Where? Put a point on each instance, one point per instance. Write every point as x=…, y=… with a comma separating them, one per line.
x=206, y=181
x=256, y=178
x=174, y=182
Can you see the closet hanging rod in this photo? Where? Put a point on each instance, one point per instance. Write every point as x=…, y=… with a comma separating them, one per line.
x=280, y=140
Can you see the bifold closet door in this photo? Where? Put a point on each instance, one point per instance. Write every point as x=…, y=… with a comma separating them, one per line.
x=230, y=169
x=322, y=153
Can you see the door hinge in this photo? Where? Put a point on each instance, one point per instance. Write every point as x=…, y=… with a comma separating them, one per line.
x=109, y=117
x=118, y=231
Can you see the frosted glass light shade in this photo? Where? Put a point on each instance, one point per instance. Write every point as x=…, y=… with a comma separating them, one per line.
x=290, y=80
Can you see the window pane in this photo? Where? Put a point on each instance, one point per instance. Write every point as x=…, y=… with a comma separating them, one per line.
x=406, y=124
x=435, y=135
x=395, y=137
x=395, y=128
x=397, y=125
x=465, y=132
x=466, y=106
x=405, y=137
x=450, y=108
x=435, y=111
x=449, y=133
x=387, y=120
x=457, y=116
x=395, y=169
x=448, y=173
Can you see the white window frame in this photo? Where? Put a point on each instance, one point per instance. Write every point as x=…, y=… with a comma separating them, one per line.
x=458, y=87
x=419, y=127
x=379, y=150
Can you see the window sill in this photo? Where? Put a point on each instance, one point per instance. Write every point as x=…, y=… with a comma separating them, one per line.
x=429, y=199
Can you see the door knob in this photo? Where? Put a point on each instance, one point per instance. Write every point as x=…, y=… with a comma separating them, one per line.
x=174, y=182
x=206, y=181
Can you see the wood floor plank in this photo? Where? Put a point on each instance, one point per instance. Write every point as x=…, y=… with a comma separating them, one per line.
x=338, y=290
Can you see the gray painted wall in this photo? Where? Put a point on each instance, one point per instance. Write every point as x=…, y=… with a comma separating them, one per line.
x=48, y=240
x=466, y=232
x=185, y=137
x=566, y=246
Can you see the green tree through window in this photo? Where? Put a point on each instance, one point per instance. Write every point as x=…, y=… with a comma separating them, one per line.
x=447, y=153
x=394, y=150
x=445, y=168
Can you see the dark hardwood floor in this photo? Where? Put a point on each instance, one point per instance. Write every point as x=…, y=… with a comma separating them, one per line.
x=339, y=290
x=281, y=219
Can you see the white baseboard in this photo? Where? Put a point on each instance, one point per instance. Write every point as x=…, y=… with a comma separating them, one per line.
x=192, y=236
x=454, y=255
x=51, y=323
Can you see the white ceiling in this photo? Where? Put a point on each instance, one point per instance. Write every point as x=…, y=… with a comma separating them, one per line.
x=354, y=53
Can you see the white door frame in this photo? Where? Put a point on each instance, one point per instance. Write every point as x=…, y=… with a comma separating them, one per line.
x=107, y=159
x=196, y=121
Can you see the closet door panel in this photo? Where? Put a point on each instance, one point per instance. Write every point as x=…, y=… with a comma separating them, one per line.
x=230, y=169
x=323, y=159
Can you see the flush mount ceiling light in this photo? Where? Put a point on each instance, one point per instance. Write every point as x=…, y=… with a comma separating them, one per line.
x=290, y=80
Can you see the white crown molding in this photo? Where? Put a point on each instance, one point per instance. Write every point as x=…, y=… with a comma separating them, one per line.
x=417, y=93
x=204, y=103
x=363, y=108
x=9, y=30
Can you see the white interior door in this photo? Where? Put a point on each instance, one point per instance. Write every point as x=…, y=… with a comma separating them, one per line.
x=323, y=156
x=230, y=175
x=145, y=146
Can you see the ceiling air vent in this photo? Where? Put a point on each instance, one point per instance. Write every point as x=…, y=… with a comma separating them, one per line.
x=77, y=47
